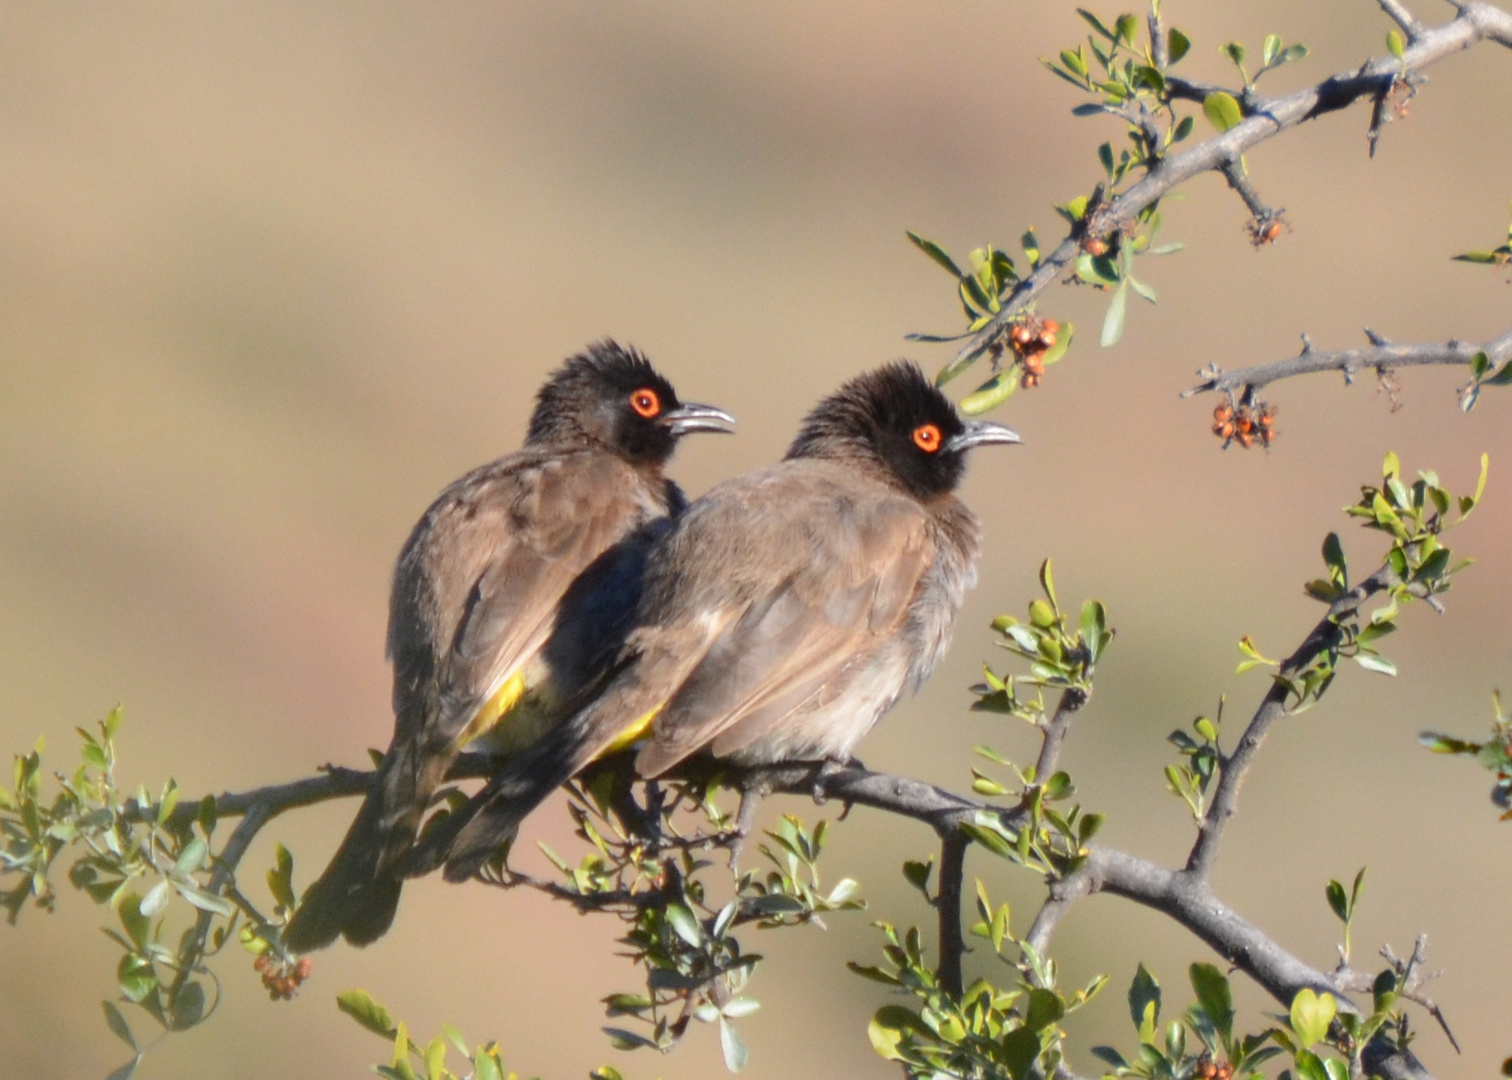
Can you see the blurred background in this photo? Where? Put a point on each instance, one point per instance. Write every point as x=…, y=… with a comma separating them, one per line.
x=272, y=275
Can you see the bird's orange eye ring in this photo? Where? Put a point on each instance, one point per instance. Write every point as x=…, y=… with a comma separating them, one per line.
x=646, y=403
x=927, y=438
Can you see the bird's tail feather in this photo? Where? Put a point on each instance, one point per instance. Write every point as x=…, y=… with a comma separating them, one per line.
x=473, y=834
x=358, y=893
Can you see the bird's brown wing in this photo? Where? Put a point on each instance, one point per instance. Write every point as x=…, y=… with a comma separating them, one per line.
x=828, y=575
x=496, y=560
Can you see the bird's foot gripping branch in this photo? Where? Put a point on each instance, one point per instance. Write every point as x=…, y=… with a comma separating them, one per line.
x=169, y=872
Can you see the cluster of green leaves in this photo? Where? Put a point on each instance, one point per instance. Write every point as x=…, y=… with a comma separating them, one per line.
x=410, y=1060
x=1198, y=1045
x=992, y=277
x=1058, y=657
x=1131, y=82
x=138, y=856
x=1190, y=778
x=1493, y=755
x=989, y=1032
x=1413, y=517
x=1047, y=839
x=1274, y=53
x=645, y=863
x=1323, y=1042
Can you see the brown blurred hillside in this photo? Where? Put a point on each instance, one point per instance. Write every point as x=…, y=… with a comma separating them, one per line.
x=271, y=275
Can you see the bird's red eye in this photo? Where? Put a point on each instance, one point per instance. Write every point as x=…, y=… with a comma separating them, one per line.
x=645, y=403
x=927, y=438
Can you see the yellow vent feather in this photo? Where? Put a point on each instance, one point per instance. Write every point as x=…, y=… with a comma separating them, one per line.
x=495, y=708
x=635, y=732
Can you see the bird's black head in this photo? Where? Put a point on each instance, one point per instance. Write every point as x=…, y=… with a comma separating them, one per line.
x=894, y=418
x=611, y=396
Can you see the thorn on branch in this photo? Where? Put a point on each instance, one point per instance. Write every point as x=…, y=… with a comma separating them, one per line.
x=1376, y=339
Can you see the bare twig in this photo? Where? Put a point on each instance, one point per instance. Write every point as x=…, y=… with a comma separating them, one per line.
x=1379, y=356
x=1059, y=725
x=1233, y=172
x=1475, y=22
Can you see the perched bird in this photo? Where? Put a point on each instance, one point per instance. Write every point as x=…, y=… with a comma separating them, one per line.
x=510, y=597
x=783, y=612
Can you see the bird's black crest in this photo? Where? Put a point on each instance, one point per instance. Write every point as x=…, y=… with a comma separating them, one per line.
x=874, y=417
x=587, y=400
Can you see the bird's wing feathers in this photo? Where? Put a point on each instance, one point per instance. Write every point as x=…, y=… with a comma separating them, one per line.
x=847, y=582
x=507, y=549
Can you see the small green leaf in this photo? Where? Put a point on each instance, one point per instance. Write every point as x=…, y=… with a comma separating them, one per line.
x=118, y=1024
x=935, y=252
x=1021, y=1048
x=1144, y=1004
x=1222, y=110
x=682, y=922
x=1373, y=662
x=1337, y=901
x=1177, y=44
x=1483, y=257
x=990, y=394
x=360, y=1006
x=1271, y=50
x=188, y=1006
x=192, y=858
x=1394, y=43
x=888, y=1028
x=1113, y=322
x=1215, y=995
x=1096, y=24
x=156, y=900
x=1311, y=1013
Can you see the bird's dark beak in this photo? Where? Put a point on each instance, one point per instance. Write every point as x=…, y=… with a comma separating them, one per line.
x=690, y=417
x=981, y=433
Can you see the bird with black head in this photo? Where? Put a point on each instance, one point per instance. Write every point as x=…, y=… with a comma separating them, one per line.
x=510, y=599
x=786, y=610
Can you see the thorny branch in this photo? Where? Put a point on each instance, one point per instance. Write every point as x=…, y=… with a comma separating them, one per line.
x=1264, y=118
x=1380, y=356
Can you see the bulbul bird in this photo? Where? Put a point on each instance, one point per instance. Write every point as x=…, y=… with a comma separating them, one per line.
x=786, y=610
x=511, y=595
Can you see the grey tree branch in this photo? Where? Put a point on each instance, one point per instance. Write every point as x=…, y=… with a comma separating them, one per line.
x=953, y=846
x=1379, y=356
x=1071, y=701
x=1234, y=767
x=1265, y=118
x=1399, y=14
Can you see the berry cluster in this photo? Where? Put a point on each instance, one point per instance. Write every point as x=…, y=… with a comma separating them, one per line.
x=1245, y=424
x=1266, y=229
x=1208, y=1069
x=1031, y=338
x=281, y=976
